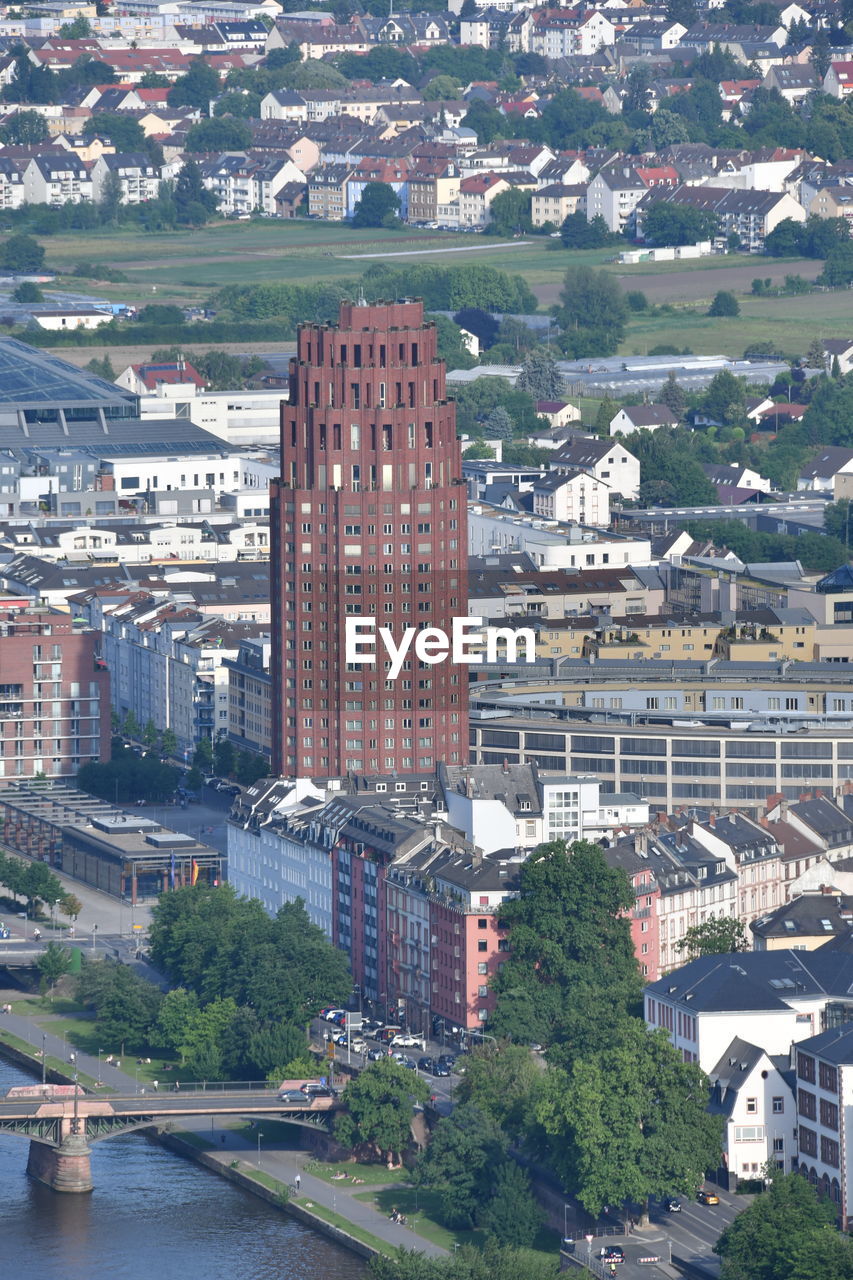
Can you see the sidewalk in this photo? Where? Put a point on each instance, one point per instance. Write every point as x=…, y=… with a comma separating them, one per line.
x=282, y=1165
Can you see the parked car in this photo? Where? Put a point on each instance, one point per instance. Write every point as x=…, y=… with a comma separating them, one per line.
x=612, y=1253
x=229, y=788
x=332, y=1014
x=447, y=1060
x=707, y=1197
x=213, y=782
x=440, y=1068
x=376, y=1055
x=425, y=1064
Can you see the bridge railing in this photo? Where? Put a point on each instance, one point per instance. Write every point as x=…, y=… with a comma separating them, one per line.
x=208, y=1086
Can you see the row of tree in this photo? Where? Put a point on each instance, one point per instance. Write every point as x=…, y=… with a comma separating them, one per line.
x=37, y=885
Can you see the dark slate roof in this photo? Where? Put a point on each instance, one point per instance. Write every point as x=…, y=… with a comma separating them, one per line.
x=751, y=981
x=835, y=1045
x=821, y=915
x=825, y=817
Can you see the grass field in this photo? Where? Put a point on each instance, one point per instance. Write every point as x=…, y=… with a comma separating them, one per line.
x=188, y=266
x=789, y=323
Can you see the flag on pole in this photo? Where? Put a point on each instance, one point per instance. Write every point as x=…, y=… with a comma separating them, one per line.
x=172, y=873
x=194, y=875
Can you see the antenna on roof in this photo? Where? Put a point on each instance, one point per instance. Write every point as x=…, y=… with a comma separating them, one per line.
x=361, y=301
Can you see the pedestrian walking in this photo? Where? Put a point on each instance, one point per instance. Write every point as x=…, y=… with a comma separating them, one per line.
x=298, y=1181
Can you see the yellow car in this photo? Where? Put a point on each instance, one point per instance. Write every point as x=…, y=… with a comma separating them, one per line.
x=707, y=1197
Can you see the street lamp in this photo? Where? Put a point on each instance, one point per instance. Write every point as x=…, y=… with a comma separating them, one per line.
x=259, y=1146
x=75, y=1123
x=55, y=907
x=94, y=935
x=100, y=1051
x=43, y=1059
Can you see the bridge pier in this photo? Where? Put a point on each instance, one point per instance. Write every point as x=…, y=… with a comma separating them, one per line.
x=64, y=1168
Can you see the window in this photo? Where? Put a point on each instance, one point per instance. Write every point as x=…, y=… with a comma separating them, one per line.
x=752, y=1106
x=805, y=1068
x=806, y=1104
x=778, y=1106
x=482, y=967
x=482, y=945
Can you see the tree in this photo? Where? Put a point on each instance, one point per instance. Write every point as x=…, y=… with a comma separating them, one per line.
x=203, y=755
x=498, y=424
x=379, y=206
x=194, y=779
x=193, y=202
x=592, y=313
x=512, y=1215
x=725, y=304
x=53, y=963
x=638, y=88
x=714, y=937
x=787, y=1233
x=70, y=906
x=570, y=947
x=126, y=1006
x=160, y=313
x=486, y=121
x=219, y=133
x=673, y=395
x=25, y=128
x=197, y=88
x=665, y=223
x=578, y=232
x=481, y=323
x=168, y=743
x=378, y=1111
x=118, y=127
x=460, y=1162
x=509, y=213
x=441, y=88
x=21, y=253
x=27, y=291
x=629, y=1120
x=78, y=29
x=724, y=399
x=224, y=756
x=838, y=269
x=242, y=103
x=502, y=1081
x=175, y=1016
x=540, y=377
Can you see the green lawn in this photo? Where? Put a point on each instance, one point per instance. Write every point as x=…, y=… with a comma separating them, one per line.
x=789, y=323
x=369, y=1174
x=422, y=1208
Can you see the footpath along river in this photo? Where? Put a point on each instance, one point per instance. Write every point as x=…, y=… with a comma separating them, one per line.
x=152, y=1216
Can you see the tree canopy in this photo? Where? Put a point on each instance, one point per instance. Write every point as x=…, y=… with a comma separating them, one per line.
x=592, y=313
x=570, y=949
x=714, y=937
x=378, y=1109
x=378, y=206
x=787, y=1233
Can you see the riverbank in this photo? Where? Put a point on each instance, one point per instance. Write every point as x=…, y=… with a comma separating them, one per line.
x=268, y=1174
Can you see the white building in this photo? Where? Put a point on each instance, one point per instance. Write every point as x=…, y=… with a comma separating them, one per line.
x=139, y=180
x=551, y=545
x=572, y=495
x=750, y=1091
x=771, y=998
x=238, y=417
x=57, y=177
x=273, y=854
x=606, y=460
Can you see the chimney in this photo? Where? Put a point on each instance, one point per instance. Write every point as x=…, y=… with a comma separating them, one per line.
x=505, y=766
x=641, y=842
x=764, y=821
x=712, y=819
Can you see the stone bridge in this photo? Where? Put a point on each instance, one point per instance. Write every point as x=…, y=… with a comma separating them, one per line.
x=62, y=1126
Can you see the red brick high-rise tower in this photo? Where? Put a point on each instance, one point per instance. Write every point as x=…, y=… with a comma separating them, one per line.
x=368, y=520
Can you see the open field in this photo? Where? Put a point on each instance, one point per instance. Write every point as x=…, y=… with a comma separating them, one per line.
x=789, y=323
x=188, y=266
x=121, y=357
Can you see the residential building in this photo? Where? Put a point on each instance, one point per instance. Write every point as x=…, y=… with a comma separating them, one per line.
x=555, y=202
x=748, y=214
x=805, y=922
x=645, y=417
x=612, y=464
x=754, y=1093
x=56, y=178
x=380, y=491
x=575, y=496
x=56, y=692
x=137, y=178
x=250, y=697
x=824, y=1065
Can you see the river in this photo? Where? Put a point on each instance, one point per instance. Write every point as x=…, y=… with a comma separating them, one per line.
x=152, y=1216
